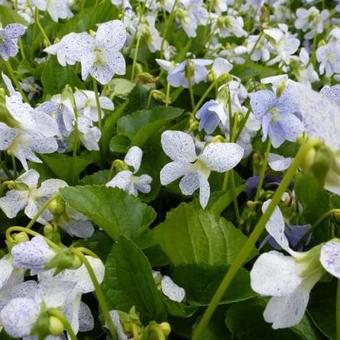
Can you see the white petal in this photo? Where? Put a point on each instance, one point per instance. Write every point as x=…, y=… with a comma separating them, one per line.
x=13, y=202
x=274, y=274
x=143, y=183
x=179, y=146
x=30, y=178
x=172, y=290
x=7, y=136
x=18, y=316
x=278, y=162
x=122, y=180
x=276, y=227
x=111, y=34
x=172, y=171
x=56, y=293
x=189, y=183
x=134, y=157
x=6, y=269
x=50, y=187
x=79, y=228
x=222, y=157
x=204, y=191
x=287, y=311
x=330, y=257
x=86, y=321
x=118, y=326
x=33, y=254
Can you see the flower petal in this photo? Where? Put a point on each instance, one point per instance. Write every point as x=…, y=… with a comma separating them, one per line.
x=274, y=274
x=33, y=254
x=189, y=183
x=172, y=171
x=172, y=290
x=287, y=311
x=111, y=34
x=134, y=157
x=7, y=136
x=122, y=180
x=278, y=162
x=179, y=146
x=261, y=101
x=330, y=257
x=276, y=227
x=222, y=157
x=19, y=316
x=204, y=191
x=13, y=202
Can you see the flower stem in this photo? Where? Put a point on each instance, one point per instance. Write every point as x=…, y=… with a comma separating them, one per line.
x=263, y=170
x=15, y=80
x=135, y=56
x=29, y=232
x=338, y=312
x=167, y=26
x=251, y=241
x=242, y=125
x=236, y=209
x=192, y=99
x=41, y=29
x=204, y=96
x=167, y=95
x=40, y=211
x=99, y=293
x=99, y=109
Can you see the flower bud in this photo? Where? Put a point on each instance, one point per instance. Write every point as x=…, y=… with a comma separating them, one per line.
x=145, y=78
x=189, y=69
x=56, y=327
x=57, y=206
x=217, y=139
x=165, y=328
x=119, y=165
x=20, y=237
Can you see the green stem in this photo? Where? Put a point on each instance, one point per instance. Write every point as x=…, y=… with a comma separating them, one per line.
x=167, y=25
x=338, y=312
x=29, y=232
x=14, y=165
x=242, y=125
x=255, y=45
x=99, y=293
x=225, y=181
x=59, y=315
x=15, y=80
x=237, y=211
x=192, y=99
x=204, y=96
x=148, y=103
x=99, y=109
x=40, y=211
x=251, y=241
x=41, y=29
x=135, y=56
x=263, y=170
x=167, y=94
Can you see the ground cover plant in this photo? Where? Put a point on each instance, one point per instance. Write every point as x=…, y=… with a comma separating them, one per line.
x=169, y=169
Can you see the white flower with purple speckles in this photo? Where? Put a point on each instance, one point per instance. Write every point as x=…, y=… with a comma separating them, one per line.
x=288, y=280
x=57, y=9
x=127, y=180
x=195, y=169
x=9, y=40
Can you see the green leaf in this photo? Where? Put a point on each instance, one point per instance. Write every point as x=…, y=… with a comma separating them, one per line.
x=191, y=235
x=120, y=144
x=251, y=69
x=322, y=308
x=221, y=200
x=100, y=177
x=114, y=210
x=67, y=167
x=141, y=125
x=201, y=281
x=138, y=98
x=55, y=77
x=8, y=16
x=315, y=202
x=129, y=282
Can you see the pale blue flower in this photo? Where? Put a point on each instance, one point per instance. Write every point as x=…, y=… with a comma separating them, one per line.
x=177, y=76
x=280, y=118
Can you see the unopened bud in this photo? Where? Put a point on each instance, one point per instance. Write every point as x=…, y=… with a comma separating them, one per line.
x=165, y=328
x=20, y=237
x=57, y=206
x=55, y=326
x=218, y=139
